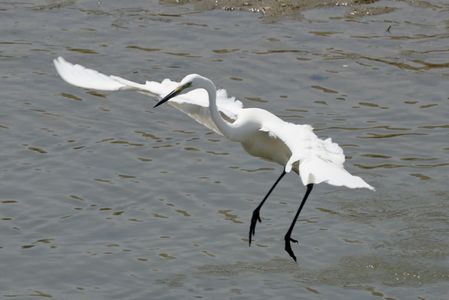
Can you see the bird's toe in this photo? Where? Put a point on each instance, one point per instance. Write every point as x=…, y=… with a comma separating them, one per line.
x=293, y=240
x=288, y=247
x=252, y=228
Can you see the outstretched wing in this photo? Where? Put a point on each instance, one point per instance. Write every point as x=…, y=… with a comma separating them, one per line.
x=195, y=103
x=319, y=160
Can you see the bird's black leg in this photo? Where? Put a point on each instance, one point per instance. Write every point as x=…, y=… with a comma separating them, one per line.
x=288, y=237
x=256, y=213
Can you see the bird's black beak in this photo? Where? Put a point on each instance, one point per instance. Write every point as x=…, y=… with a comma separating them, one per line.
x=174, y=93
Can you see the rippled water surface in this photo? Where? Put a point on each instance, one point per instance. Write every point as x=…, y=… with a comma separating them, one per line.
x=103, y=197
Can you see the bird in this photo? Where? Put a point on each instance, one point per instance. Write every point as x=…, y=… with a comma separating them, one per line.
x=262, y=134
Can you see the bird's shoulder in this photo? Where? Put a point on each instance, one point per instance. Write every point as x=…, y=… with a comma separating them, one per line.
x=270, y=122
x=258, y=115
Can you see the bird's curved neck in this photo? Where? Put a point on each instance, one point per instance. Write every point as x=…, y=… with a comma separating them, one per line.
x=225, y=127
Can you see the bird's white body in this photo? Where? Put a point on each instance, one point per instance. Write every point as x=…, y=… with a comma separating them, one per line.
x=260, y=144
x=261, y=133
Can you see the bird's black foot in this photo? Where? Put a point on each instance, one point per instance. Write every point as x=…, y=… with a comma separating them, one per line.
x=288, y=246
x=252, y=228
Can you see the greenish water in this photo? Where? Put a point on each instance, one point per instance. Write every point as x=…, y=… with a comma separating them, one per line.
x=103, y=197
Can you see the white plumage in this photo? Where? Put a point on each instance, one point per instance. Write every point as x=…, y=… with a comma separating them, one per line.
x=261, y=133
x=320, y=160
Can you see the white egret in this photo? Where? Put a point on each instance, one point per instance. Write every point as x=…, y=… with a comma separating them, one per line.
x=262, y=134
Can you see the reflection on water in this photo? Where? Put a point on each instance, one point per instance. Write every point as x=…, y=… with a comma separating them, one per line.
x=104, y=197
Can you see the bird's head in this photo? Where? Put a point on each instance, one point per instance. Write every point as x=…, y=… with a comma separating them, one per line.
x=190, y=82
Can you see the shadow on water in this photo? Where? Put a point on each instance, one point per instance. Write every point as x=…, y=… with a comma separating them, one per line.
x=351, y=271
x=410, y=253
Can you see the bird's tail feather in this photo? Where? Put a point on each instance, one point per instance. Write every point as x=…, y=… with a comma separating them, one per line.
x=316, y=170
